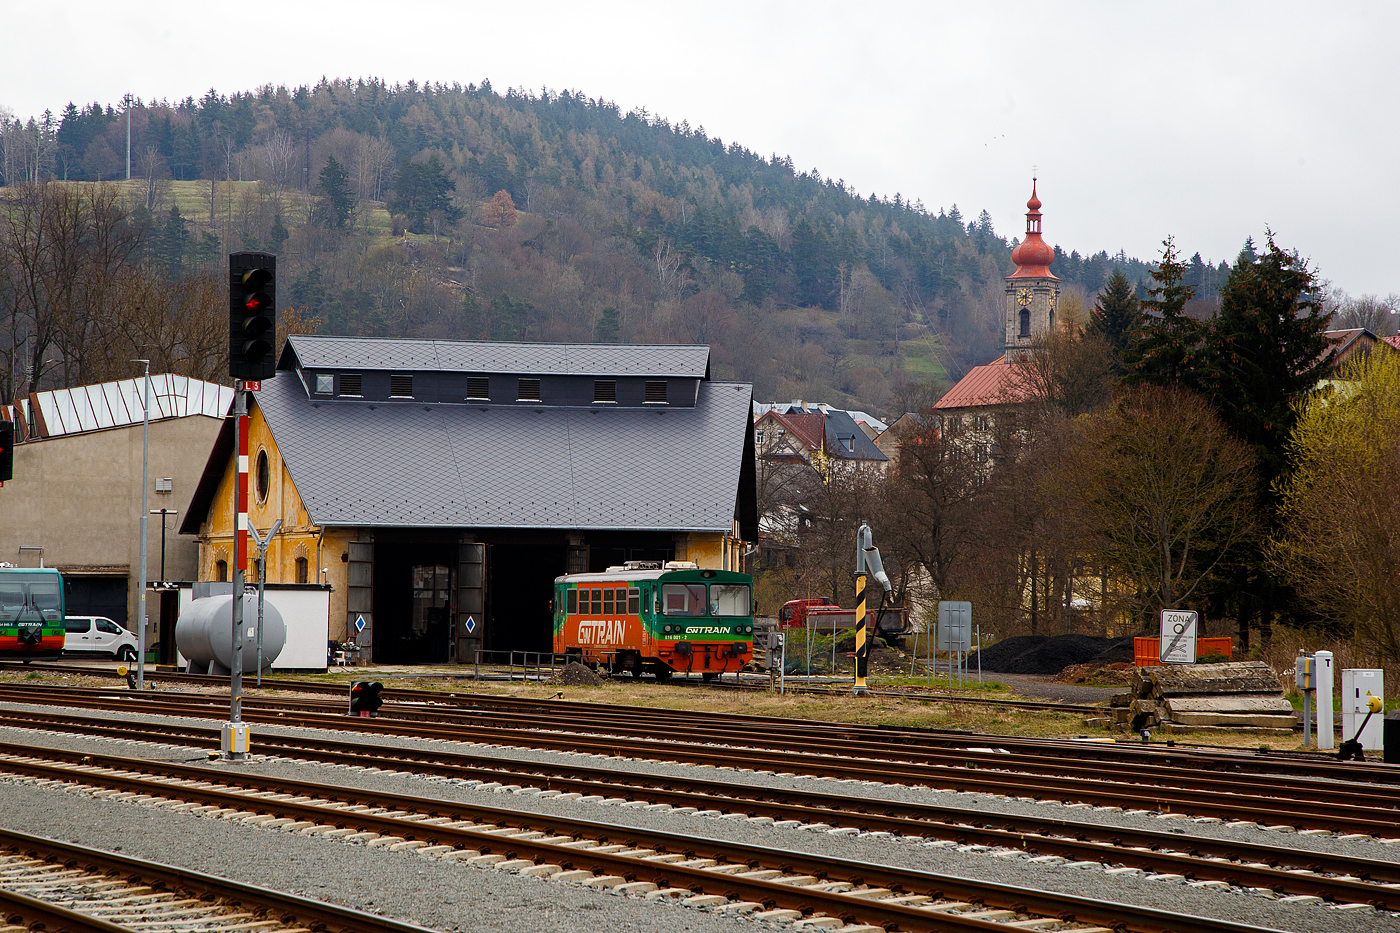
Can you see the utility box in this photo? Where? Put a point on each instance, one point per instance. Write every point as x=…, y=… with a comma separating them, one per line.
x=1358, y=685
x=1392, y=737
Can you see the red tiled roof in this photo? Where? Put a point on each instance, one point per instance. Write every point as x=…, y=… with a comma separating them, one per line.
x=1393, y=341
x=807, y=429
x=996, y=383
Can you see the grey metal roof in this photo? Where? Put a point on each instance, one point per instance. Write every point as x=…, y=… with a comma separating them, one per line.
x=315, y=352
x=407, y=464
x=839, y=426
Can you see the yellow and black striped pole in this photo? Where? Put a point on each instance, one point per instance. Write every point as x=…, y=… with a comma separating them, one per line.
x=862, y=648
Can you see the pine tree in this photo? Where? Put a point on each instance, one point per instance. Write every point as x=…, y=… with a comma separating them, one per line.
x=1116, y=314
x=1166, y=349
x=337, y=200
x=608, y=327
x=1266, y=351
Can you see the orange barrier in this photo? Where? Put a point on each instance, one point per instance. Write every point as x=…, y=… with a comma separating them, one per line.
x=1147, y=651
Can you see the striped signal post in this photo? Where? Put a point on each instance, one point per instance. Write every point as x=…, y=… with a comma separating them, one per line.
x=862, y=647
x=867, y=562
x=234, y=740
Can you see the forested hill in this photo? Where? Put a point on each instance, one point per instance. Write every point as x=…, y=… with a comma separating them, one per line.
x=460, y=212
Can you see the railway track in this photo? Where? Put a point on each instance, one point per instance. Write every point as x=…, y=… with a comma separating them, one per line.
x=1152, y=783
x=770, y=883
x=50, y=885
x=908, y=692
x=1282, y=869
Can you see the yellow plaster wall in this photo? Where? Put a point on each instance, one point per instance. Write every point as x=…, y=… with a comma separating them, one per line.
x=297, y=538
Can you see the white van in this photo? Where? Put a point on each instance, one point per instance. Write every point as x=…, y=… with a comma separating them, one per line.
x=97, y=636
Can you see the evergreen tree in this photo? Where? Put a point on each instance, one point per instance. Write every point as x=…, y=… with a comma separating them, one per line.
x=1166, y=349
x=337, y=200
x=278, y=234
x=1116, y=315
x=1266, y=351
x=813, y=264
x=608, y=327
x=174, y=240
x=421, y=187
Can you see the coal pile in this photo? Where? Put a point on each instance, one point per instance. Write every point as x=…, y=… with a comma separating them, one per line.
x=575, y=674
x=1048, y=655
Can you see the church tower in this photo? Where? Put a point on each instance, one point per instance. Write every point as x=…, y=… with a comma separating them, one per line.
x=1032, y=290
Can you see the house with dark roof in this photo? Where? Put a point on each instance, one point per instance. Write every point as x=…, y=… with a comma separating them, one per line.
x=441, y=486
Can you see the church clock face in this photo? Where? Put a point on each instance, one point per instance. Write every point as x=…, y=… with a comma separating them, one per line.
x=1023, y=297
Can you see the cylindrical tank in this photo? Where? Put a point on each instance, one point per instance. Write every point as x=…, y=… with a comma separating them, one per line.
x=204, y=634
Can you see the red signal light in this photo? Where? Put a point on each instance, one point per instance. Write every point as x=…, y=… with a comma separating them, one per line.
x=256, y=302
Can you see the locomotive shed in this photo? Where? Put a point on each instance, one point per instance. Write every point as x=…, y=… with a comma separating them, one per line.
x=508, y=774
x=439, y=487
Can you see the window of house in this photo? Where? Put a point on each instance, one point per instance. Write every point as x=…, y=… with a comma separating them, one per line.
x=758, y=437
x=979, y=422
x=848, y=442
x=264, y=476
x=479, y=387
x=303, y=571
x=1025, y=323
x=401, y=387
x=979, y=453
x=529, y=391
x=350, y=384
x=605, y=390
x=656, y=392
x=221, y=571
x=325, y=383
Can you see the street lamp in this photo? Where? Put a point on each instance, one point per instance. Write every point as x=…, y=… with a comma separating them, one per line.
x=145, y=529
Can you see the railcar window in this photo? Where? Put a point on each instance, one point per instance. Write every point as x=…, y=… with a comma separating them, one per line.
x=729, y=599
x=683, y=599
x=597, y=602
x=572, y=600
x=607, y=602
x=634, y=602
x=622, y=600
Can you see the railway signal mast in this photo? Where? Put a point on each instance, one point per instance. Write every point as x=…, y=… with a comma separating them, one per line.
x=867, y=562
x=252, y=298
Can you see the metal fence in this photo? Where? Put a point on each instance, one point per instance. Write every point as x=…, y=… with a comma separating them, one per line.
x=537, y=664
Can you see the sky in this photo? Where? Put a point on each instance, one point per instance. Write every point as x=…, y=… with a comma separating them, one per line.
x=1209, y=122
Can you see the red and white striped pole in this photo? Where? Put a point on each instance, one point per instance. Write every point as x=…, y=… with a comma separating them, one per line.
x=241, y=529
x=234, y=738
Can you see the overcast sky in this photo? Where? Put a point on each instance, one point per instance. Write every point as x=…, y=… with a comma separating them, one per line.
x=1207, y=121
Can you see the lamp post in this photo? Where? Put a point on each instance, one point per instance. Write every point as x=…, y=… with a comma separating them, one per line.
x=145, y=529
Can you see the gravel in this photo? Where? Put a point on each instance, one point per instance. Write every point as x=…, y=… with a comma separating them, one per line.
x=449, y=896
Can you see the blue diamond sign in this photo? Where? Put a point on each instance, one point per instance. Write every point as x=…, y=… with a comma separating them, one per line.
x=471, y=625
x=359, y=623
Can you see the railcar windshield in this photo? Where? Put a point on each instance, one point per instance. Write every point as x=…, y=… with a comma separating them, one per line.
x=30, y=597
x=730, y=599
x=683, y=599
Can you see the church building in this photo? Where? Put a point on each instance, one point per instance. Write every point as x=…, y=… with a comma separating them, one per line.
x=1032, y=292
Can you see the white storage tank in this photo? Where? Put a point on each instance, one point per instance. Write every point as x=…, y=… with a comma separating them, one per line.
x=204, y=634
